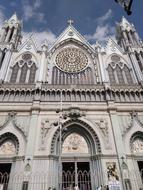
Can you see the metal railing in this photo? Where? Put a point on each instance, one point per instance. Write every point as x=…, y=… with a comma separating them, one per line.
x=81, y=180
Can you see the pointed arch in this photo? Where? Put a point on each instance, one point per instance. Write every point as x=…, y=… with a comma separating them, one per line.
x=81, y=128
x=136, y=142
x=10, y=137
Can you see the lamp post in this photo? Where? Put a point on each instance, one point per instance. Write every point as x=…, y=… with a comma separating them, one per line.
x=126, y=4
x=59, y=124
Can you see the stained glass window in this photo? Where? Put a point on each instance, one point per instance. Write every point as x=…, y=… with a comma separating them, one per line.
x=14, y=73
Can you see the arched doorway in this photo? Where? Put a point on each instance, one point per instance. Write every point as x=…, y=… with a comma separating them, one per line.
x=75, y=162
x=80, y=162
x=136, y=144
x=9, y=146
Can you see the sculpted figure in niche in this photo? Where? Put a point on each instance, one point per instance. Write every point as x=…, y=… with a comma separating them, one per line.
x=137, y=146
x=7, y=148
x=45, y=127
x=113, y=178
x=104, y=128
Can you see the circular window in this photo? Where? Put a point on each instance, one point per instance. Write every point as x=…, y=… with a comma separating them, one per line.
x=71, y=60
x=115, y=58
x=26, y=56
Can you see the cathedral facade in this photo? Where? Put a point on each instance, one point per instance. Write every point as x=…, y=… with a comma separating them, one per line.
x=71, y=115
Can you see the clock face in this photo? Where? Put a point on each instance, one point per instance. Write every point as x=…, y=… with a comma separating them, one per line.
x=71, y=60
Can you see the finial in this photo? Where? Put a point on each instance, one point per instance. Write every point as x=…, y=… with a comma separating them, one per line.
x=70, y=22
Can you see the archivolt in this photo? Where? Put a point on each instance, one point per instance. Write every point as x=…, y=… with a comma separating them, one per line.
x=81, y=127
x=9, y=136
x=138, y=134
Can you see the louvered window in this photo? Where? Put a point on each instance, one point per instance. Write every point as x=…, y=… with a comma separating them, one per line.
x=14, y=73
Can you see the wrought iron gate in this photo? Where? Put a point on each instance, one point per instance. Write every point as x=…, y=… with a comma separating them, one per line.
x=72, y=180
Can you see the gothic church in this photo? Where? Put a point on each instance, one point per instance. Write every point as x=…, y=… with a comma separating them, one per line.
x=71, y=114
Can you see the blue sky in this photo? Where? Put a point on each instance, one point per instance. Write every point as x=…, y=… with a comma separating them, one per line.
x=94, y=19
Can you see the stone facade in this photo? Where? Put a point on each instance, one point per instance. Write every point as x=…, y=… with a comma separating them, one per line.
x=98, y=91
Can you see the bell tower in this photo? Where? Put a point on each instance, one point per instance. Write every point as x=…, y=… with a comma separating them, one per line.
x=127, y=35
x=10, y=38
x=11, y=32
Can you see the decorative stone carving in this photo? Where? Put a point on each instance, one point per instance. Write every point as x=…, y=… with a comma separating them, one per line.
x=133, y=116
x=112, y=173
x=115, y=58
x=103, y=126
x=45, y=127
x=74, y=113
x=137, y=146
x=7, y=148
x=26, y=56
x=71, y=60
x=74, y=143
x=12, y=118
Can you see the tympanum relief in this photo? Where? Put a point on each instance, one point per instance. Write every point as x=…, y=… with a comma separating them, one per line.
x=7, y=148
x=74, y=143
x=137, y=146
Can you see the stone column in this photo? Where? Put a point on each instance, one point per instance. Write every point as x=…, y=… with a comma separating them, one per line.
x=42, y=71
x=102, y=66
x=117, y=135
x=31, y=141
x=136, y=67
x=5, y=64
x=1, y=55
x=3, y=31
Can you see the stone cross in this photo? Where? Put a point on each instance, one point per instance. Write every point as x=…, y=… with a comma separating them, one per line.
x=70, y=22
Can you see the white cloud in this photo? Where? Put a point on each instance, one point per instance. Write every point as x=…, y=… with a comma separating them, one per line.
x=104, y=29
x=37, y=4
x=2, y=16
x=31, y=11
x=105, y=17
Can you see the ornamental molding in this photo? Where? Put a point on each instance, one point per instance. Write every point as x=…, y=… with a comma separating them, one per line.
x=81, y=124
x=74, y=113
x=72, y=41
x=12, y=118
x=102, y=125
x=45, y=128
x=133, y=117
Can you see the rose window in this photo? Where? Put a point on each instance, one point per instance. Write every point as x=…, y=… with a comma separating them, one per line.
x=71, y=60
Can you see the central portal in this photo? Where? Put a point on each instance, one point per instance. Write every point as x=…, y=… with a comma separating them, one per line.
x=76, y=175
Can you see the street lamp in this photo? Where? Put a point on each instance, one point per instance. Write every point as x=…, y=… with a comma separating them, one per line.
x=59, y=124
x=126, y=4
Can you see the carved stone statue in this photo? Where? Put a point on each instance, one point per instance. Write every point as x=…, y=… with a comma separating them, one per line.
x=45, y=127
x=7, y=148
x=137, y=146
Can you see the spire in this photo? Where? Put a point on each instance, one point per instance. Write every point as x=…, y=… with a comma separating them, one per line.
x=14, y=18
x=126, y=25
x=11, y=31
